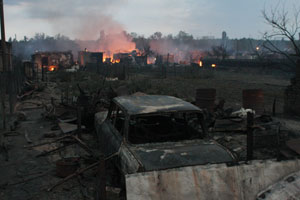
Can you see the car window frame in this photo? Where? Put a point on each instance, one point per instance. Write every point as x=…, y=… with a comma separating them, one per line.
x=114, y=106
x=200, y=115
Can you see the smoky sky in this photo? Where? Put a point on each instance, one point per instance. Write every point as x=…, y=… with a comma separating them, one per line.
x=84, y=19
x=75, y=18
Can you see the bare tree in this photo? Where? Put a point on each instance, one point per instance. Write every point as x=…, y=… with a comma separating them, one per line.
x=284, y=25
x=219, y=52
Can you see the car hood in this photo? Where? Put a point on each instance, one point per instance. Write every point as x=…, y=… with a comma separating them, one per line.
x=179, y=154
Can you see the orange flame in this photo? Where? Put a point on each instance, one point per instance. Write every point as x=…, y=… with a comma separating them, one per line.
x=52, y=68
x=200, y=63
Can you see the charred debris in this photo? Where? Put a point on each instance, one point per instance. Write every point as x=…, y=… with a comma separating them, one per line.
x=74, y=117
x=145, y=133
x=103, y=139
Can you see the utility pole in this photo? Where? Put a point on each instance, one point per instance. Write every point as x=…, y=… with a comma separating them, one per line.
x=4, y=65
x=3, y=44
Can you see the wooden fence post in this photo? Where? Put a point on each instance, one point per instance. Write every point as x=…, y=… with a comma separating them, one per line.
x=101, y=180
x=250, y=123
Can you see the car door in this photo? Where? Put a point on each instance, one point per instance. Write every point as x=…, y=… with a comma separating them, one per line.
x=112, y=131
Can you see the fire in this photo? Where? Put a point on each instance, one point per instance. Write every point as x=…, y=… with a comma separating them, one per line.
x=104, y=57
x=213, y=65
x=107, y=59
x=110, y=59
x=200, y=64
x=115, y=43
x=116, y=61
x=52, y=68
x=151, y=60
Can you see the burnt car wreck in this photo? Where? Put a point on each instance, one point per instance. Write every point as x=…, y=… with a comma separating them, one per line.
x=154, y=132
x=160, y=144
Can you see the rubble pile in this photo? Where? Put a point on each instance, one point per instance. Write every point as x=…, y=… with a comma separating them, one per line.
x=271, y=138
x=53, y=136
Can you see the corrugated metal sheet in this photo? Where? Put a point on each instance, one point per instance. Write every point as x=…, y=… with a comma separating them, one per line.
x=209, y=182
x=286, y=189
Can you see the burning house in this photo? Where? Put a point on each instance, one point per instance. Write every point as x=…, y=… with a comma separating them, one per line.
x=162, y=59
x=117, y=57
x=52, y=61
x=90, y=60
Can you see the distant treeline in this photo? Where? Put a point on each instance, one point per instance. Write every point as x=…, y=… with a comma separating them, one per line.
x=157, y=43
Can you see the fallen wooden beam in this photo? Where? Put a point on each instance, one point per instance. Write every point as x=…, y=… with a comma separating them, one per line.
x=28, y=179
x=83, y=145
x=54, y=150
x=44, y=143
x=78, y=172
x=73, y=175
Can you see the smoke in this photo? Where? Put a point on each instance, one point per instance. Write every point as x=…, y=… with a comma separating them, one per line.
x=182, y=52
x=83, y=21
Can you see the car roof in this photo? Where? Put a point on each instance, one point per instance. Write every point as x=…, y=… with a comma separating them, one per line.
x=146, y=104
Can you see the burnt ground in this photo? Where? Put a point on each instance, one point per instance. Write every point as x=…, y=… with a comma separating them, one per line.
x=229, y=85
x=24, y=176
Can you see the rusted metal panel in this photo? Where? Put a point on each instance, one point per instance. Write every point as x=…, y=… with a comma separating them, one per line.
x=286, y=189
x=209, y=182
x=205, y=98
x=254, y=99
x=135, y=105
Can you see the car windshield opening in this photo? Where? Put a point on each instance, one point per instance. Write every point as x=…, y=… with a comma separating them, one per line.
x=166, y=127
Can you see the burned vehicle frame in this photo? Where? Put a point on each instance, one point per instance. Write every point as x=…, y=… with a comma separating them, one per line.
x=156, y=132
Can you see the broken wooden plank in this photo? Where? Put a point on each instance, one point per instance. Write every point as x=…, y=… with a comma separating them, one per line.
x=68, y=128
x=67, y=120
x=74, y=175
x=84, y=146
x=54, y=150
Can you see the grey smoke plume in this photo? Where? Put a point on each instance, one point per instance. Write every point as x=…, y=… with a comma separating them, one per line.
x=83, y=21
x=76, y=18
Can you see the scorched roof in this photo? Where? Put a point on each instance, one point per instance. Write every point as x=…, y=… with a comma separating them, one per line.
x=147, y=104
